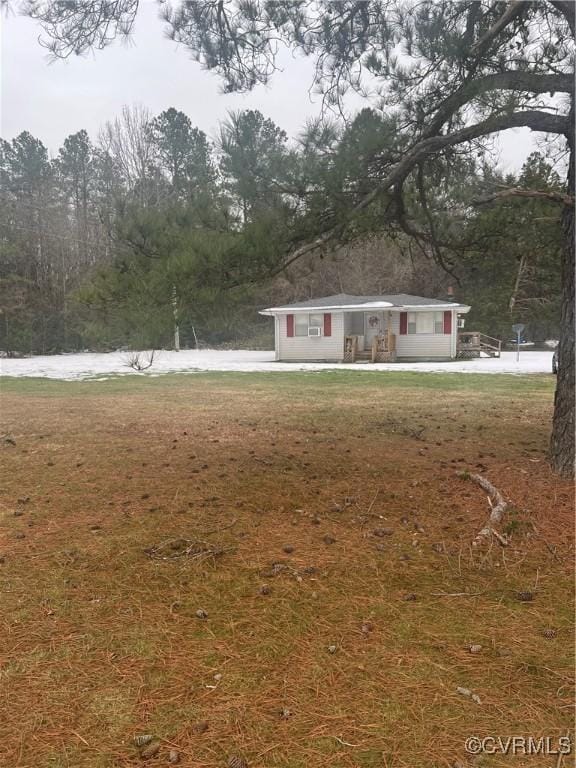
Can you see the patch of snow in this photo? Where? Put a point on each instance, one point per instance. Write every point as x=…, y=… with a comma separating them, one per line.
x=88, y=365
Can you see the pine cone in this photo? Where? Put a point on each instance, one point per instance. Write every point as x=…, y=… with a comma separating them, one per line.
x=235, y=761
x=550, y=634
x=143, y=739
x=150, y=750
x=525, y=597
x=380, y=532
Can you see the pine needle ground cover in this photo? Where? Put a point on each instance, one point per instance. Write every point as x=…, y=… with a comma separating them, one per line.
x=276, y=570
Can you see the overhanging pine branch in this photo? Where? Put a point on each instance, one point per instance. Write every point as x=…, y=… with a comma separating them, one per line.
x=513, y=10
x=533, y=119
x=416, y=233
x=552, y=197
x=502, y=81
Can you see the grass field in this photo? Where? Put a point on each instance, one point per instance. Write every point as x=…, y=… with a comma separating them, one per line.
x=342, y=594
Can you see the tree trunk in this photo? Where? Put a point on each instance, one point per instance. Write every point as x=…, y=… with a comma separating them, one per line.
x=517, y=283
x=563, y=427
x=176, y=321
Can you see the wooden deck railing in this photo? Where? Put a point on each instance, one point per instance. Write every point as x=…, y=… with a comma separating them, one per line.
x=350, y=349
x=472, y=343
x=383, y=346
x=383, y=349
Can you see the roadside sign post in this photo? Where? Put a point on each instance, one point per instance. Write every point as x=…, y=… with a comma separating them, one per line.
x=518, y=328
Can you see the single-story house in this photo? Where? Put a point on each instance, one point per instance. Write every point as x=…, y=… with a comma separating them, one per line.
x=345, y=328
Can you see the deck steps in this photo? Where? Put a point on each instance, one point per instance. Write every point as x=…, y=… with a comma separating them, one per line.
x=472, y=344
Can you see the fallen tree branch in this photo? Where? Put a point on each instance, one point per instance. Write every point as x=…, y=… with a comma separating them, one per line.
x=498, y=536
x=192, y=549
x=495, y=495
x=498, y=507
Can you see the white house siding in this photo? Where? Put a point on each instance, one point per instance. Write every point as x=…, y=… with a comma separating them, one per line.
x=424, y=345
x=329, y=348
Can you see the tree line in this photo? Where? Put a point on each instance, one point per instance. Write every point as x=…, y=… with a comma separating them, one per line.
x=117, y=241
x=69, y=220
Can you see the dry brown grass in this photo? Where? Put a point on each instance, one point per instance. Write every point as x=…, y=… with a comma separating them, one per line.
x=100, y=642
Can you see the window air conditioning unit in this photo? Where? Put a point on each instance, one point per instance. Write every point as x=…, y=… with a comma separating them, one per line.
x=461, y=322
x=315, y=331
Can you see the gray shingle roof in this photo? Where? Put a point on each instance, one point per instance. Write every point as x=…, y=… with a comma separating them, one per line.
x=346, y=300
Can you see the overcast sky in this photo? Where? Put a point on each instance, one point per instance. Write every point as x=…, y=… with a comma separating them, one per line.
x=55, y=99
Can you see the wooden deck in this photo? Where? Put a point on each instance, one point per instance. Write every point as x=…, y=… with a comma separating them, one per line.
x=472, y=344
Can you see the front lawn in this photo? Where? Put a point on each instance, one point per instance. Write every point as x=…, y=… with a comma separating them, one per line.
x=324, y=612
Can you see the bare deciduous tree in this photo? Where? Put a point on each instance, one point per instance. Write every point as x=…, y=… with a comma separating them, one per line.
x=128, y=141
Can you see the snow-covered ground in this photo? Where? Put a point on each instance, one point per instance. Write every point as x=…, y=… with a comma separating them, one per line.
x=99, y=366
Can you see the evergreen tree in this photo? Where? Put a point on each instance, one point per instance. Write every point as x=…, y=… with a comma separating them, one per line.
x=170, y=269
x=75, y=169
x=254, y=163
x=184, y=155
x=28, y=282
x=510, y=273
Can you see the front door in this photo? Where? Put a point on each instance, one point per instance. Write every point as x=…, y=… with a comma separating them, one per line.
x=373, y=326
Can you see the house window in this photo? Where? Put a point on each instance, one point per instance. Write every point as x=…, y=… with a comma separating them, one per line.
x=300, y=325
x=438, y=322
x=303, y=321
x=426, y=322
x=316, y=321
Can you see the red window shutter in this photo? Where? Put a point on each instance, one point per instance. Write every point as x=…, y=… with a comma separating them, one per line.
x=403, y=323
x=448, y=322
x=327, y=324
x=289, y=325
